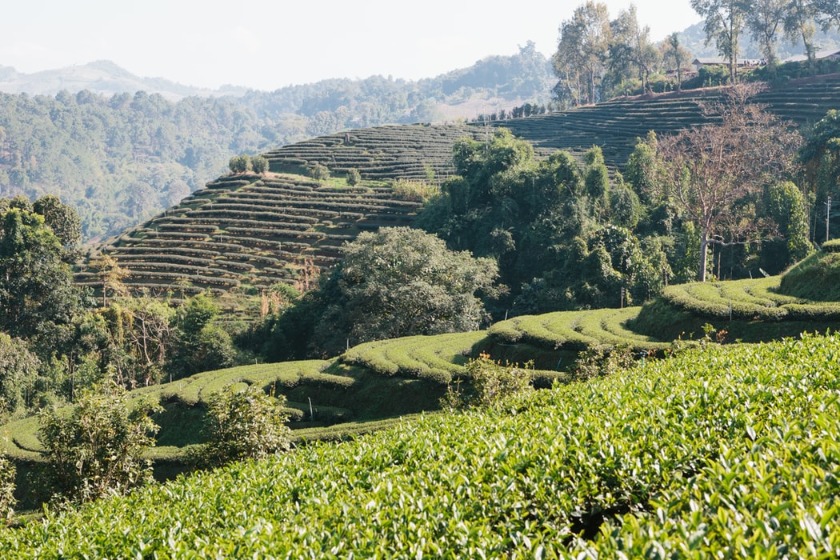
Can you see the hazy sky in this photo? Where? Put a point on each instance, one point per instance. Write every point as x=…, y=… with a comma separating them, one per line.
x=270, y=44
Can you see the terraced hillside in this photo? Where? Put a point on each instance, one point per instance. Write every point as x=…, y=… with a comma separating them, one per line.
x=385, y=152
x=616, y=124
x=245, y=232
x=373, y=383
x=250, y=231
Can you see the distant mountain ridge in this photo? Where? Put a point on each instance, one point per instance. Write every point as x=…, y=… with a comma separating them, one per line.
x=101, y=77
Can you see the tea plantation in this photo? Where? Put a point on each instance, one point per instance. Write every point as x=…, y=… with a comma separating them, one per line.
x=243, y=233
x=714, y=452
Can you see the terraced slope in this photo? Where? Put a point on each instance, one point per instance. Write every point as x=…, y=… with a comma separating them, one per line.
x=384, y=152
x=616, y=124
x=250, y=231
x=245, y=232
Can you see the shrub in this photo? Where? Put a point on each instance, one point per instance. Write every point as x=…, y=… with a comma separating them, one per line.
x=417, y=191
x=7, y=488
x=600, y=361
x=353, y=177
x=489, y=383
x=831, y=246
x=239, y=164
x=244, y=424
x=319, y=172
x=259, y=164
x=95, y=450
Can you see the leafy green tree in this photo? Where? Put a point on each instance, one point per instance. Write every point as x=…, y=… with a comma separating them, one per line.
x=36, y=286
x=723, y=22
x=786, y=206
x=319, y=172
x=96, y=449
x=400, y=282
x=353, y=177
x=240, y=164
x=581, y=52
x=7, y=489
x=19, y=372
x=259, y=164
x=820, y=156
x=244, y=424
x=200, y=344
x=676, y=56
x=63, y=220
x=764, y=19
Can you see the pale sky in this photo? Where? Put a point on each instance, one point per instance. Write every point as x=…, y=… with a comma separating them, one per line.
x=270, y=44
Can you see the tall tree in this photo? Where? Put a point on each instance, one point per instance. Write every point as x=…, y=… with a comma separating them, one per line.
x=764, y=18
x=716, y=172
x=723, y=24
x=582, y=49
x=675, y=56
x=36, y=286
x=800, y=23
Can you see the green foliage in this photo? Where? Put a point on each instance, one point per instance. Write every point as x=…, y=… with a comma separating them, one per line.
x=600, y=361
x=319, y=172
x=489, y=384
x=722, y=442
x=243, y=424
x=815, y=278
x=19, y=373
x=240, y=164
x=259, y=164
x=201, y=345
x=415, y=190
x=7, y=489
x=820, y=156
x=396, y=282
x=353, y=177
x=36, y=290
x=94, y=449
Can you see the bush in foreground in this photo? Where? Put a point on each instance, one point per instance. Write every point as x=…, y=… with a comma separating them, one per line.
x=243, y=424
x=96, y=449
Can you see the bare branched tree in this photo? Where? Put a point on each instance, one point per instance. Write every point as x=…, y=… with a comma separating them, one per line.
x=716, y=172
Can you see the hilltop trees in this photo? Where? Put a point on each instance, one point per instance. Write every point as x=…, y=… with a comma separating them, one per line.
x=597, y=57
x=579, y=60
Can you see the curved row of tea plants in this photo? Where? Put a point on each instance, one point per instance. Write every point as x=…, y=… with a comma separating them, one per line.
x=576, y=330
x=749, y=299
x=723, y=452
x=249, y=232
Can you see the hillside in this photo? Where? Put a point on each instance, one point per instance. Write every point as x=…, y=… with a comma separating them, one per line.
x=249, y=232
x=615, y=125
x=122, y=149
x=375, y=381
x=716, y=452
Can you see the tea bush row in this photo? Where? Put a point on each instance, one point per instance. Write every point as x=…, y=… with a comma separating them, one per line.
x=721, y=452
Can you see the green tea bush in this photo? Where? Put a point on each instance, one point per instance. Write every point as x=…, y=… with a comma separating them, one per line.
x=487, y=383
x=724, y=452
x=95, y=449
x=244, y=423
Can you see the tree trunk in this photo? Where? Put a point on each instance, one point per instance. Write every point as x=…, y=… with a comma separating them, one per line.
x=704, y=245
